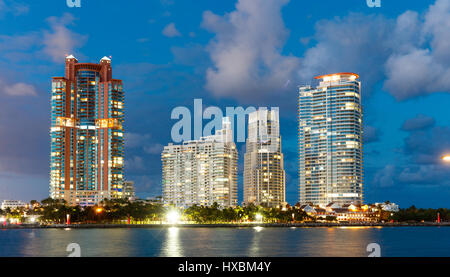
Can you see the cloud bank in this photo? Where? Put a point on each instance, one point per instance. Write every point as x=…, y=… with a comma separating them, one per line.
x=246, y=49
x=408, y=54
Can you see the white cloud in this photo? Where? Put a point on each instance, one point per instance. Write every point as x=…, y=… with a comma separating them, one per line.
x=410, y=53
x=134, y=140
x=13, y=7
x=17, y=89
x=171, y=31
x=425, y=68
x=416, y=73
x=142, y=141
x=356, y=43
x=60, y=41
x=134, y=163
x=246, y=50
x=154, y=149
x=437, y=26
x=52, y=43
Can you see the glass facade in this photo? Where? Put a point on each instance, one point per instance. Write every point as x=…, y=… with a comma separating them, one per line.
x=330, y=141
x=87, y=147
x=264, y=175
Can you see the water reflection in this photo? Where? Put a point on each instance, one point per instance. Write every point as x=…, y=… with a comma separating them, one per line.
x=228, y=242
x=172, y=245
x=93, y=242
x=254, y=250
x=258, y=228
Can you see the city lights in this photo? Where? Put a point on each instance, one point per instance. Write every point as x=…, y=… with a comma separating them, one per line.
x=173, y=217
x=259, y=217
x=258, y=229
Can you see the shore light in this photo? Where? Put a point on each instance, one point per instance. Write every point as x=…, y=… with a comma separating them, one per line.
x=259, y=217
x=446, y=158
x=173, y=217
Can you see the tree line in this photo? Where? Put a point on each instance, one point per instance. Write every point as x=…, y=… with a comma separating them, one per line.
x=413, y=214
x=51, y=211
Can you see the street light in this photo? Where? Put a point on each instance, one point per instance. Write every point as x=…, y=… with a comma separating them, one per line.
x=446, y=158
x=173, y=217
x=259, y=217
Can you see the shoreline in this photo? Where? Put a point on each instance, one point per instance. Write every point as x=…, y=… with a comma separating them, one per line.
x=223, y=225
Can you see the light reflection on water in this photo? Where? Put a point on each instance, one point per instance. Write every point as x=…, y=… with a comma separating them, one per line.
x=254, y=242
x=172, y=245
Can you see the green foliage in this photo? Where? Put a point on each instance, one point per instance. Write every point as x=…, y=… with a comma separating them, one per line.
x=412, y=214
x=214, y=214
x=109, y=211
x=118, y=211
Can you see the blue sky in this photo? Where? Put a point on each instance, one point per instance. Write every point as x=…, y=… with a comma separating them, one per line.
x=235, y=53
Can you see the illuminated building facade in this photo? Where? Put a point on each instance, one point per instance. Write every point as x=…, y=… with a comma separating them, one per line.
x=87, y=145
x=330, y=141
x=264, y=175
x=201, y=172
x=128, y=191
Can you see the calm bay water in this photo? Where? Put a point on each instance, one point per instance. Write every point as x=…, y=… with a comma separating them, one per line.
x=230, y=242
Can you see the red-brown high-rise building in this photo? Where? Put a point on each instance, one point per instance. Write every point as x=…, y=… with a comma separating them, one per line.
x=87, y=145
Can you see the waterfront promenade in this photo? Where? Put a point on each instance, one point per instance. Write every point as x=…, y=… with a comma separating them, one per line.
x=230, y=225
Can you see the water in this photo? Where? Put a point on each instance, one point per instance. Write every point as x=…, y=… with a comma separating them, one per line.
x=228, y=242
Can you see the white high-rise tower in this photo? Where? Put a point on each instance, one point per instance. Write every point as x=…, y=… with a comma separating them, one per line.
x=201, y=172
x=264, y=176
x=330, y=141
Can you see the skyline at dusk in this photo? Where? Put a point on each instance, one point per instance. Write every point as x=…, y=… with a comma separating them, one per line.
x=229, y=54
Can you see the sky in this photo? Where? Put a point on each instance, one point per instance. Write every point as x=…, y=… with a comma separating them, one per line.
x=235, y=53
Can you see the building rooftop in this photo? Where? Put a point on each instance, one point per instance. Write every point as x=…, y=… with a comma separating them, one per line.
x=337, y=74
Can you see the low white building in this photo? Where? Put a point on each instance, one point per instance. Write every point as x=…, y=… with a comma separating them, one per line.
x=13, y=204
x=388, y=207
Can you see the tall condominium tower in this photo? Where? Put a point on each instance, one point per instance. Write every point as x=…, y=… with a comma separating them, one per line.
x=87, y=147
x=330, y=140
x=201, y=172
x=264, y=176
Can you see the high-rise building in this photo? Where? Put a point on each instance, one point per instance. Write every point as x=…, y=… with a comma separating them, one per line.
x=264, y=175
x=128, y=191
x=330, y=140
x=87, y=145
x=201, y=172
